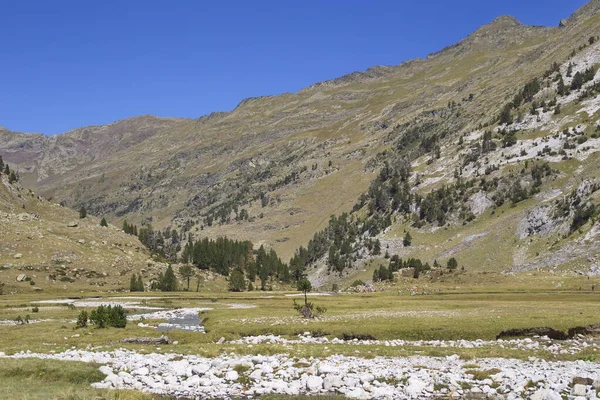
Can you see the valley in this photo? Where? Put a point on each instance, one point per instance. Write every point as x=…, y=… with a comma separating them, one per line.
x=424, y=230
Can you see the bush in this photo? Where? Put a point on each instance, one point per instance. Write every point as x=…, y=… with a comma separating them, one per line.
x=309, y=309
x=357, y=282
x=108, y=316
x=82, y=320
x=35, y=309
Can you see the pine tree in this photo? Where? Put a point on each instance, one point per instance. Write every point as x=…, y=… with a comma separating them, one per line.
x=103, y=222
x=82, y=212
x=407, y=241
x=186, y=272
x=237, y=283
x=7, y=170
x=140, y=284
x=452, y=264
x=169, y=281
x=12, y=178
x=133, y=285
x=1, y=163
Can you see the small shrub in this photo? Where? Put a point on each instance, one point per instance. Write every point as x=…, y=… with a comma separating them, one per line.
x=357, y=282
x=82, y=319
x=35, y=309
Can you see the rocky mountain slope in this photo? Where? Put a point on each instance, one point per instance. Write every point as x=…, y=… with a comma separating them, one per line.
x=47, y=247
x=495, y=123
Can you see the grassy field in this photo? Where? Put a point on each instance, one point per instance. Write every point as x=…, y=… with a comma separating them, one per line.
x=448, y=312
x=65, y=380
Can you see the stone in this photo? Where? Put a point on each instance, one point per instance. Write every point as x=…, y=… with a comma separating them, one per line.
x=232, y=376
x=266, y=368
x=18, y=256
x=200, y=369
x=415, y=387
x=73, y=224
x=579, y=390
x=81, y=241
x=192, y=381
x=332, y=382
x=256, y=374
x=358, y=393
x=327, y=369
x=21, y=277
x=314, y=383
x=143, y=371
x=366, y=378
x=583, y=381
x=546, y=394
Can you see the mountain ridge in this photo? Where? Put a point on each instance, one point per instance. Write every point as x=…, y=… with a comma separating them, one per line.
x=293, y=160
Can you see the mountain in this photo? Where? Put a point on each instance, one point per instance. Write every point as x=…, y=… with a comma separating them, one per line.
x=496, y=143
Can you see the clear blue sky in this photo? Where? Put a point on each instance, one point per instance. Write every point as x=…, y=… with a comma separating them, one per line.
x=66, y=64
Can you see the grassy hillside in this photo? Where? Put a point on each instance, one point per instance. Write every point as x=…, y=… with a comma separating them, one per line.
x=47, y=247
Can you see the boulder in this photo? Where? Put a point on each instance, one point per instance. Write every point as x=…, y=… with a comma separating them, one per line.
x=18, y=256
x=579, y=390
x=358, y=393
x=21, y=277
x=73, y=224
x=415, y=387
x=546, y=394
x=314, y=383
x=232, y=376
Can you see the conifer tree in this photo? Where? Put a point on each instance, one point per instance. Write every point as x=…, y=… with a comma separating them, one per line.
x=186, y=272
x=407, y=241
x=169, y=281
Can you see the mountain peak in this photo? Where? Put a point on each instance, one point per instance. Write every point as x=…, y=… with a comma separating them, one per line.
x=501, y=24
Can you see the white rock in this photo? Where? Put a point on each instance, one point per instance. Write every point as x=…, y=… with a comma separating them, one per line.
x=266, y=368
x=328, y=369
x=192, y=381
x=232, y=376
x=143, y=371
x=332, y=382
x=200, y=369
x=358, y=393
x=545, y=394
x=579, y=390
x=415, y=387
x=256, y=374
x=314, y=383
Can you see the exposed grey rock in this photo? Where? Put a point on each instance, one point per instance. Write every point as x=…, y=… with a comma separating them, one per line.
x=538, y=221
